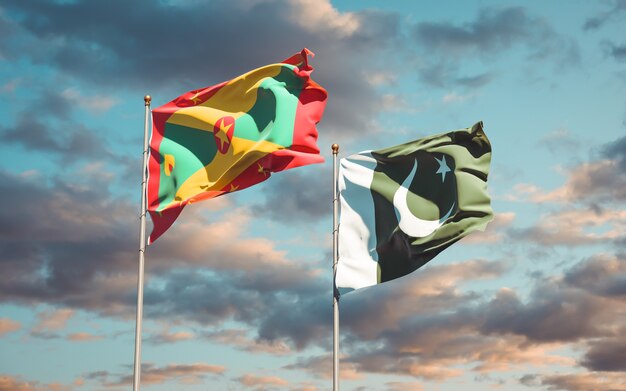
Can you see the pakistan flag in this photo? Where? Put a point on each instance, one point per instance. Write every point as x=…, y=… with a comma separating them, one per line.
x=401, y=206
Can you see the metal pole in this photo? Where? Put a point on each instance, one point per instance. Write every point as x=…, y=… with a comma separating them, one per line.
x=142, y=250
x=335, y=148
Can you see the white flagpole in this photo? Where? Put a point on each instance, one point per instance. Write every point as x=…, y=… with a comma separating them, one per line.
x=335, y=148
x=142, y=250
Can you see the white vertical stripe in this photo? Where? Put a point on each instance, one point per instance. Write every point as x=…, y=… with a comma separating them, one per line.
x=358, y=261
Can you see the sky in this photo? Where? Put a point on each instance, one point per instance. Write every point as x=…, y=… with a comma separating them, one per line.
x=238, y=293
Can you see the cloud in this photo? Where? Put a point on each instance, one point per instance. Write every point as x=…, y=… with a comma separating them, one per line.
x=304, y=386
x=606, y=355
x=247, y=278
x=584, y=382
x=560, y=140
x=556, y=314
x=303, y=324
x=589, y=182
x=420, y=328
x=96, y=104
x=92, y=224
x=384, y=77
x=151, y=374
x=8, y=326
x=495, y=231
x=441, y=346
x=298, y=197
x=236, y=338
x=453, y=97
x=53, y=320
x=8, y=29
x=38, y=212
x=94, y=40
x=10, y=86
x=311, y=16
x=475, y=81
x=575, y=227
x=599, y=20
x=616, y=150
x=83, y=337
x=322, y=367
x=12, y=383
x=428, y=291
x=166, y=336
x=396, y=103
x=494, y=31
x=433, y=331
x=603, y=275
x=618, y=52
x=408, y=386
x=240, y=340
x=345, y=42
x=593, y=182
x=253, y=381
x=182, y=373
x=70, y=141
x=251, y=282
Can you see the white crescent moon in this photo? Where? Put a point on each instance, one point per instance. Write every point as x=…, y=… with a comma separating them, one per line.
x=409, y=223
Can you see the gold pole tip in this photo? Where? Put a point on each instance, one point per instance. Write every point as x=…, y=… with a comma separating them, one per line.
x=335, y=148
x=147, y=99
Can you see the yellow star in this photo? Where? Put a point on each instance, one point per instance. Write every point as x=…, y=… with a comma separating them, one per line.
x=195, y=98
x=223, y=139
x=262, y=169
x=233, y=188
x=222, y=135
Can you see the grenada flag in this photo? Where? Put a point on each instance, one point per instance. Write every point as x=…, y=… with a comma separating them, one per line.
x=224, y=138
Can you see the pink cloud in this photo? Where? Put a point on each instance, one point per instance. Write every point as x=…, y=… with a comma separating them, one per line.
x=240, y=340
x=181, y=373
x=600, y=180
x=10, y=383
x=167, y=337
x=252, y=380
x=408, y=386
x=585, y=381
x=8, y=326
x=53, y=319
x=83, y=337
x=578, y=227
x=322, y=367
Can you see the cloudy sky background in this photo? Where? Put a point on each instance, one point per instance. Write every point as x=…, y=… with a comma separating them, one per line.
x=238, y=292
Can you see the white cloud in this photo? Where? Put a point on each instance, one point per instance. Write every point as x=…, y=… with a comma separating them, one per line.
x=95, y=104
x=453, y=97
x=321, y=15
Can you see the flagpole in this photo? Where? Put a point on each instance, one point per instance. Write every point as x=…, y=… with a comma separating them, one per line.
x=142, y=249
x=335, y=148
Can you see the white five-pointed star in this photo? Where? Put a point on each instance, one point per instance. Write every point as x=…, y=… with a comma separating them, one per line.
x=443, y=168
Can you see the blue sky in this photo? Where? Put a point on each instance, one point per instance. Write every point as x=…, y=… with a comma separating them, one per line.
x=238, y=292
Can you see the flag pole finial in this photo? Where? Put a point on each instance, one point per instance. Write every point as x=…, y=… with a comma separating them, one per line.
x=147, y=99
x=335, y=148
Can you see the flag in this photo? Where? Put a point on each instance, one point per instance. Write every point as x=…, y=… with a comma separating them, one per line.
x=403, y=205
x=224, y=138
